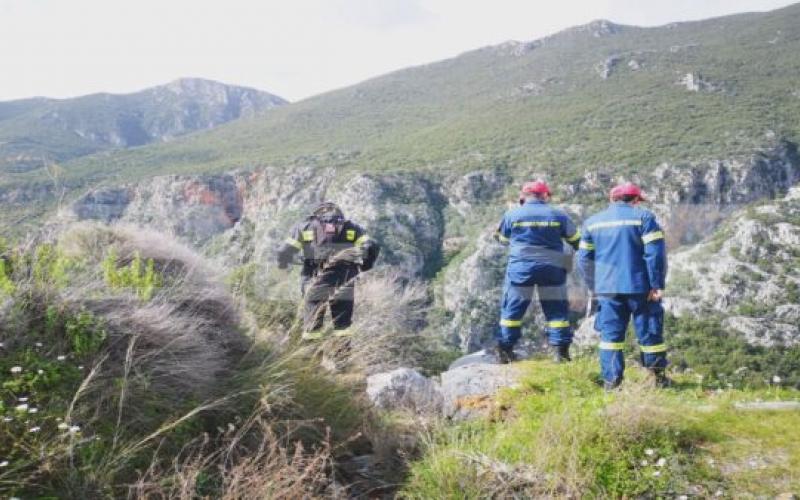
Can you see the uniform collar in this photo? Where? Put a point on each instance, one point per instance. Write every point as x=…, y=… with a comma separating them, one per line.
x=535, y=202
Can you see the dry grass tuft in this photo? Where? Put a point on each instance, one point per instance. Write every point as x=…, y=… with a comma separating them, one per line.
x=251, y=462
x=387, y=329
x=179, y=344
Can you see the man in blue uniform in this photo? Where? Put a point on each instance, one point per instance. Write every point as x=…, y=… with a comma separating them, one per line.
x=623, y=261
x=535, y=232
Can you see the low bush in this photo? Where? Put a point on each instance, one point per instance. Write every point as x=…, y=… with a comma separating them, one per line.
x=723, y=358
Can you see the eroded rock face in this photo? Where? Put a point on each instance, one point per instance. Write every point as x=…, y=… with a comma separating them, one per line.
x=196, y=208
x=747, y=270
x=251, y=213
x=472, y=289
x=105, y=205
x=586, y=335
x=736, y=181
x=606, y=68
x=403, y=210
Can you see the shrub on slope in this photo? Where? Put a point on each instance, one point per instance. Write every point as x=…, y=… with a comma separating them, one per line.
x=102, y=363
x=124, y=371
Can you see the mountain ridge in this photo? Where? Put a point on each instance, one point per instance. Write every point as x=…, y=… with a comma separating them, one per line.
x=447, y=97
x=624, y=103
x=37, y=131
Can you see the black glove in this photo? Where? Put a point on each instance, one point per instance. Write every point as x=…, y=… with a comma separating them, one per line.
x=371, y=252
x=284, y=260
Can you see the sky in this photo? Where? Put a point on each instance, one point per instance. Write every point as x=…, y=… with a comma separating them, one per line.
x=292, y=48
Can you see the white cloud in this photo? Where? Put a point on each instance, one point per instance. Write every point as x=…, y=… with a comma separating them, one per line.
x=294, y=48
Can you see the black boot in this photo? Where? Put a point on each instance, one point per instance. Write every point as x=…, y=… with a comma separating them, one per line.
x=661, y=379
x=611, y=385
x=505, y=355
x=561, y=354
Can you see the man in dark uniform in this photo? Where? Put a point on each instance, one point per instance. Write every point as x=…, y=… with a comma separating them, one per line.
x=334, y=251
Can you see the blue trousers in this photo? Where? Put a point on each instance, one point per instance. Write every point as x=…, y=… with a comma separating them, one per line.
x=613, y=315
x=550, y=282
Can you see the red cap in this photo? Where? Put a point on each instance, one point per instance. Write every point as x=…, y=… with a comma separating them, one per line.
x=627, y=189
x=535, y=187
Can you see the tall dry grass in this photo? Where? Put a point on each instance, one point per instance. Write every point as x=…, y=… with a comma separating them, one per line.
x=252, y=461
x=179, y=344
x=175, y=383
x=388, y=323
x=387, y=332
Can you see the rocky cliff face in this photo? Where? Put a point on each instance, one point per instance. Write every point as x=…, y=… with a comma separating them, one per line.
x=747, y=271
x=438, y=228
x=260, y=207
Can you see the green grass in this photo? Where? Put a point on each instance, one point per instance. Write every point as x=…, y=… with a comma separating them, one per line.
x=559, y=434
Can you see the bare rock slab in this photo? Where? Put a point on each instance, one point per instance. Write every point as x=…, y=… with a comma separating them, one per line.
x=469, y=390
x=405, y=389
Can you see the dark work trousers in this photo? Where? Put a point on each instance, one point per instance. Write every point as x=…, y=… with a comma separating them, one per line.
x=333, y=287
x=521, y=279
x=615, y=311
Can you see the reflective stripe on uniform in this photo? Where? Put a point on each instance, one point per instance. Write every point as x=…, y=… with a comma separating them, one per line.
x=294, y=243
x=502, y=238
x=653, y=348
x=347, y=332
x=615, y=223
x=651, y=237
x=537, y=223
x=362, y=240
x=308, y=235
x=585, y=245
x=612, y=346
x=511, y=322
x=312, y=335
x=574, y=237
x=350, y=234
x=557, y=324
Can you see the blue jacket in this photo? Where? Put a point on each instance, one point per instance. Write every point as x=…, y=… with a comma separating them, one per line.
x=535, y=232
x=622, y=250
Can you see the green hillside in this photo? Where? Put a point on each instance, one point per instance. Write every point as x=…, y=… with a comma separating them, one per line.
x=596, y=95
x=542, y=104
